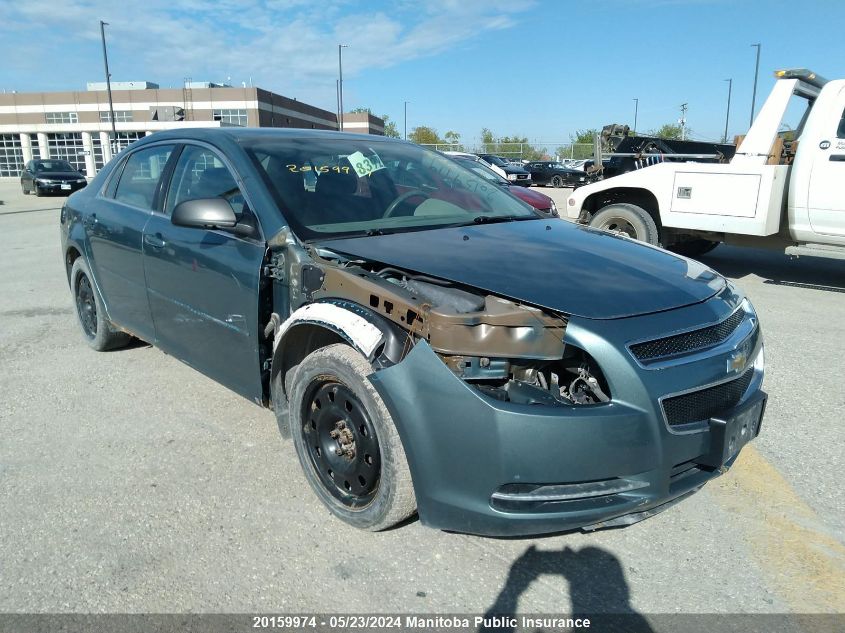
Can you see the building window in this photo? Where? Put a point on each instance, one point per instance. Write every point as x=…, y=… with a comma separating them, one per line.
x=62, y=117
x=233, y=117
x=120, y=116
x=69, y=147
x=124, y=139
x=11, y=155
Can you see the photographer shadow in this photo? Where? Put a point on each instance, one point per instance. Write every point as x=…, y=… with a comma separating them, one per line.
x=597, y=587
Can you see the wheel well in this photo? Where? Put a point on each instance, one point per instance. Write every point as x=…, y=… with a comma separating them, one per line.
x=631, y=195
x=298, y=342
x=70, y=257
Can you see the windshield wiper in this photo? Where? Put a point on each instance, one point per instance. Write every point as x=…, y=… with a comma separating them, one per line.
x=492, y=219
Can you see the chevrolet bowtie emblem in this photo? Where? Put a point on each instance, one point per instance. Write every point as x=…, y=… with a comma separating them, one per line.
x=738, y=360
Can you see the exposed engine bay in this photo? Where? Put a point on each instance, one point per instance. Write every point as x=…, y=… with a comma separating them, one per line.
x=507, y=350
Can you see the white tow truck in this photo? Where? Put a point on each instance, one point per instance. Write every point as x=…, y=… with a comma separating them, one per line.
x=788, y=197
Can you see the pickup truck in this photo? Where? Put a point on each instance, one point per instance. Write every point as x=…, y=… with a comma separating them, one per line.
x=770, y=195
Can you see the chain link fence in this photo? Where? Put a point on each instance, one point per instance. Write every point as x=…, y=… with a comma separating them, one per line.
x=521, y=151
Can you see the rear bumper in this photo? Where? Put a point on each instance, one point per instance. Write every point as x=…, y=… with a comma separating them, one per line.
x=495, y=468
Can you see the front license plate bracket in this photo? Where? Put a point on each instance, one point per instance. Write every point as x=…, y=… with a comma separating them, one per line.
x=730, y=433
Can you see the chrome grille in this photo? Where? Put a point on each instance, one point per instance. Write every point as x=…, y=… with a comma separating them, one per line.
x=706, y=403
x=688, y=341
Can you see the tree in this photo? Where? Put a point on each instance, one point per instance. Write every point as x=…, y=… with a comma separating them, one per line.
x=424, y=135
x=669, y=131
x=390, y=128
x=582, y=144
x=583, y=137
x=511, y=146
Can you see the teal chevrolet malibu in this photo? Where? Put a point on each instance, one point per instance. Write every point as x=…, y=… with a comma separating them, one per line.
x=427, y=342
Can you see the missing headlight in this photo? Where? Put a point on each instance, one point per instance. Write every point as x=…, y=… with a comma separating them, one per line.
x=573, y=380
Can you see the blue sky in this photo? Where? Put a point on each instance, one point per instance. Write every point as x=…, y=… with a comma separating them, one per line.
x=535, y=68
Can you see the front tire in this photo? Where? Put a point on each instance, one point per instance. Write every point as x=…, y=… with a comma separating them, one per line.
x=627, y=219
x=557, y=182
x=99, y=333
x=347, y=442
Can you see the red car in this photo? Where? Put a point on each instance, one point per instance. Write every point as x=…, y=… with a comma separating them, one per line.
x=539, y=201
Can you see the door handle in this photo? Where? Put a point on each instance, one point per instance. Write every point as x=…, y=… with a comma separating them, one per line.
x=837, y=157
x=154, y=241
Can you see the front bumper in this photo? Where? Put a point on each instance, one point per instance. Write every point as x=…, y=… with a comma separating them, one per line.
x=56, y=187
x=496, y=468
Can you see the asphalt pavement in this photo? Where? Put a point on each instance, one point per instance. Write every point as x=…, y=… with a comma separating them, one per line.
x=131, y=483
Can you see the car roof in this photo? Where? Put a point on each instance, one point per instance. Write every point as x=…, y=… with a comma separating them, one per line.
x=263, y=133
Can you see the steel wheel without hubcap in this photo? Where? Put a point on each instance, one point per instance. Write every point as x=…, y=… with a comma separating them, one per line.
x=620, y=225
x=343, y=448
x=627, y=219
x=86, y=306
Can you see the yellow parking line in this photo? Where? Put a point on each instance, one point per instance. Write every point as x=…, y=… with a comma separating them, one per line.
x=805, y=566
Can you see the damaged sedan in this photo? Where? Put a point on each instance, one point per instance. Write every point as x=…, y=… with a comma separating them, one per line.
x=428, y=342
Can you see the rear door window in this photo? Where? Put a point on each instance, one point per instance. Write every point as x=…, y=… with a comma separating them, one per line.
x=141, y=176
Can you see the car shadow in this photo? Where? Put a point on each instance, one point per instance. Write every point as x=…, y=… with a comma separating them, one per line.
x=775, y=268
x=597, y=588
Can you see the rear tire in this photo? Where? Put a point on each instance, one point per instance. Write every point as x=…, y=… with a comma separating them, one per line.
x=627, y=219
x=346, y=440
x=694, y=248
x=98, y=332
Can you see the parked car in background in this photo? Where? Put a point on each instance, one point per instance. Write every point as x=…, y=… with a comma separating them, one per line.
x=546, y=172
x=409, y=337
x=539, y=201
x=475, y=157
x=514, y=173
x=42, y=176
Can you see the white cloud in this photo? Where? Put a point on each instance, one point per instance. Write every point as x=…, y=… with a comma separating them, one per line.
x=284, y=45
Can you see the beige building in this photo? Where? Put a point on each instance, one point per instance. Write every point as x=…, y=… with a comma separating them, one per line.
x=76, y=126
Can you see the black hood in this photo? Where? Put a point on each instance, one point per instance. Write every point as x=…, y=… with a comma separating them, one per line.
x=552, y=264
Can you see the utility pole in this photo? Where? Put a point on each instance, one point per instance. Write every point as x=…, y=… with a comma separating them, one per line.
x=728, y=113
x=683, y=121
x=406, y=121
x=636, y=108
x=103, y=26
x=340, y=48
x=337, y=96
x=754, y=93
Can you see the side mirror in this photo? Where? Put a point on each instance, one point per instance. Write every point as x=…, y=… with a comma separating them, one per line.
x=205, y=213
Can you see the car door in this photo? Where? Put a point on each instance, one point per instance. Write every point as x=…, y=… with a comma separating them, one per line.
x=825, y=199
x=203, y=284
x=114, y=222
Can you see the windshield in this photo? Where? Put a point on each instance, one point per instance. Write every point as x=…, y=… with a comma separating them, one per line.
x=52, y=166
x=482, y=170
x=495, y=160
x=334, y=187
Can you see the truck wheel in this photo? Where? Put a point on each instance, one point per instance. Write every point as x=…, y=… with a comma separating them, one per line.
x=557, y=182
x=693, y=248
x=98, y=332
x=628, y=219
x=346, y=441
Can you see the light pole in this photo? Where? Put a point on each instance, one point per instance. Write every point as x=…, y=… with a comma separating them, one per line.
x=754, y=93
x=636, y=108
x=406, y=121
x=340, y=48
x=103, y=26
x=683, y=121
x=728, y=113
